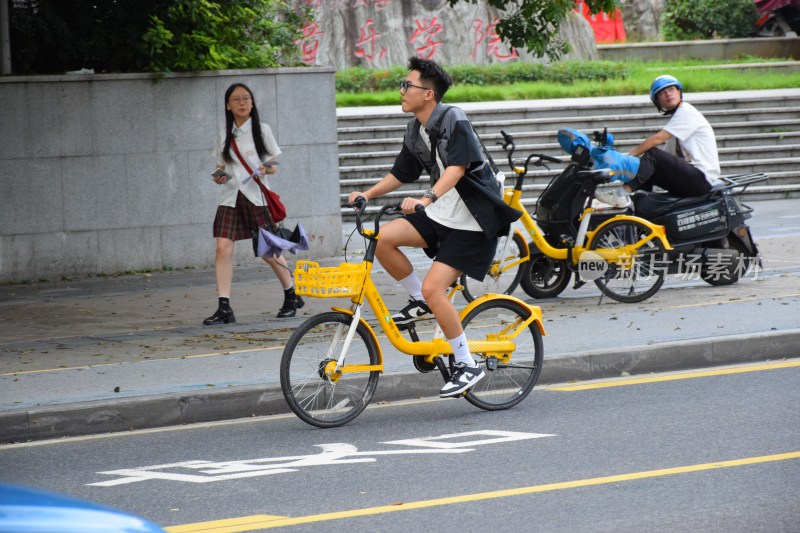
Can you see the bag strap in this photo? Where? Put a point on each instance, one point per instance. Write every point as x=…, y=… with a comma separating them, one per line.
x=258, y=181
x=492, y=164
x=435, y=139
x=241, y=159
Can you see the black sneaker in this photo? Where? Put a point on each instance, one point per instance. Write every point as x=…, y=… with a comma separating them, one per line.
x=415, y=310
x=462, y=379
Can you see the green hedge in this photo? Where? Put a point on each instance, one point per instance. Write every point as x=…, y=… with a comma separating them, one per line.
x=360, y=80
x=685, y=20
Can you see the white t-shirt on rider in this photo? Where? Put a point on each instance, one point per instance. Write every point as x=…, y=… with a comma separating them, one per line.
x=696, y=139
x=449, y=210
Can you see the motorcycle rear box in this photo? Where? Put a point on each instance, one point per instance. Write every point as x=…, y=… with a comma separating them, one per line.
x=696, y=221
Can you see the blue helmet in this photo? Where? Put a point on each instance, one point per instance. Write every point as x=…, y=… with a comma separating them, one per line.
x=661, y=83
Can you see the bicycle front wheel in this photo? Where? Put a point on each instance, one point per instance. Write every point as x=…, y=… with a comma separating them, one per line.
x=636, y=278
x=505, y=272
x=316, y=394
x=509, y=377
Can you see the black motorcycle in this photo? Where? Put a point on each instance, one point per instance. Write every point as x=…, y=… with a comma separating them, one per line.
x=708, y=233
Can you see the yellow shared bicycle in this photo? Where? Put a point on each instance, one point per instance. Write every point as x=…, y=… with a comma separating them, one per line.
x=331, y=363
x=628, y=250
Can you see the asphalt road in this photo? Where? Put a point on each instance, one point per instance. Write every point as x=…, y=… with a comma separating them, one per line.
x=708, y=452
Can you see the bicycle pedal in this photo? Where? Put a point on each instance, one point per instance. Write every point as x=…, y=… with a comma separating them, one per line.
x=423, y=366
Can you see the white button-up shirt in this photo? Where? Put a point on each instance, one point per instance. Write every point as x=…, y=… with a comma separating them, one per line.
x=240, y=178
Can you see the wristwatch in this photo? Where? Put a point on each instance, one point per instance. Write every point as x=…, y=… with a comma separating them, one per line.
x=430, y=195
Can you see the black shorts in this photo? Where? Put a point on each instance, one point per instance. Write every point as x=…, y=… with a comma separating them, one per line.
x=470, y=252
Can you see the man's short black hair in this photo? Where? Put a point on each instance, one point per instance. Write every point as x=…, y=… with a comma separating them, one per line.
x=433, y=74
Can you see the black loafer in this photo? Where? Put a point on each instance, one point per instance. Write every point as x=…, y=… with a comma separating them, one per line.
x=220, y=317
x=290, y=307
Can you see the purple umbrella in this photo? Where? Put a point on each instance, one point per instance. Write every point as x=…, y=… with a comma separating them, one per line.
x=271, y=244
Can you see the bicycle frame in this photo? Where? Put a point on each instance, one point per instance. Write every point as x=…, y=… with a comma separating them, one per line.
x=429, y=349
x=513, y=197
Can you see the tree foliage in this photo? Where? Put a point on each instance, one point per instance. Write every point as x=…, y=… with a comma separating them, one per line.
x=706, y=19
x=534, y=24
x=55, y=36
x=205, y=35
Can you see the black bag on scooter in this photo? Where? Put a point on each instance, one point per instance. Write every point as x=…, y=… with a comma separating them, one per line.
x=684, y=218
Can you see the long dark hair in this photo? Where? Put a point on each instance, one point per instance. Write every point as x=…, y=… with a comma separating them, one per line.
x=261, y=149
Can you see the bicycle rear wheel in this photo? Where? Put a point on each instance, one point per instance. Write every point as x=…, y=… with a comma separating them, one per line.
x=316, y=396
x=545, y=277
x=505, y=272
x=509, y=377
x=636, y=278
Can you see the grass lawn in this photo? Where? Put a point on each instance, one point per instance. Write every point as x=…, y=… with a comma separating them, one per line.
x=634, y=78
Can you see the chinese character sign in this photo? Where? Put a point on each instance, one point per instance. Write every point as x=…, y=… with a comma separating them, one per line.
x=367, y=46
x=424, y=37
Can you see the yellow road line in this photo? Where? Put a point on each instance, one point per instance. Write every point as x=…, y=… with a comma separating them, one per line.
x=734, y=301
x=674, y=377
x=225, y=526
x=256, y=522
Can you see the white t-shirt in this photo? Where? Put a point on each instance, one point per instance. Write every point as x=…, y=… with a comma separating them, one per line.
x=696, y=139
x=449, y=209
x=240, y=178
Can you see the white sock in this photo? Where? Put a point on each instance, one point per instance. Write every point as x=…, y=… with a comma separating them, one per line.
x=461, y=350
x=413, y=286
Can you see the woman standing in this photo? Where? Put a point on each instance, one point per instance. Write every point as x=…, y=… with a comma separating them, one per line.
x=248, y=142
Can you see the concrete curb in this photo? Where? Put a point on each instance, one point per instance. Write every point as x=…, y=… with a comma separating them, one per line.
x=89, y=418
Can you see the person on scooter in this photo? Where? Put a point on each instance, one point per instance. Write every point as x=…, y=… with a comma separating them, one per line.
x=689, y=165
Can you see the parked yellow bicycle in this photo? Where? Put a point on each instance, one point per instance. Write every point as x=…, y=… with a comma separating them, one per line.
x=331, y=363
x=566, y=226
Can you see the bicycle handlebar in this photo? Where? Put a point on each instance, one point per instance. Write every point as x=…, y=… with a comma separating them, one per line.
x=540, y=158
x=360, y=204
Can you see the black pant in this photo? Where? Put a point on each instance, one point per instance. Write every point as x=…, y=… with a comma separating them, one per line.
x=671, y=173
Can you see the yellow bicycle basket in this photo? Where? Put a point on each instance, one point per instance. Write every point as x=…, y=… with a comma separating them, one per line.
x=345, y=280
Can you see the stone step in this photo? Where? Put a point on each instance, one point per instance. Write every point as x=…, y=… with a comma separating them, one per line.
x=787, y=118
x=548, y=139
x=575, y=107
x=768, y=191
x=535, y=183
x=757, y=131
x=730, y=165
x=385, y=159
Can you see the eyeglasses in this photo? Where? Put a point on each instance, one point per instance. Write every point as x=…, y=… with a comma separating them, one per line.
x=405, y=84
x=240, y=99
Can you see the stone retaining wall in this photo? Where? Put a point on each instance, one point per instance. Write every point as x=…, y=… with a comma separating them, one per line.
x=111, y=173
x=766, y=47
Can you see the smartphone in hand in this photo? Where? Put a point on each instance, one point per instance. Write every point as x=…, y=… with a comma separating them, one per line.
x=220, y=173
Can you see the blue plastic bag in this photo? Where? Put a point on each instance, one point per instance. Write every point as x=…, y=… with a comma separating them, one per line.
x=624, y=166
x=569, y=139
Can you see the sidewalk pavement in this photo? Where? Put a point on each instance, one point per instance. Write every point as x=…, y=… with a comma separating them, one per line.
x=114, y=354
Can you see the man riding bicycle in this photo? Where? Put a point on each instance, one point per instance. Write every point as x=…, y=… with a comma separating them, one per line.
x=463, y=211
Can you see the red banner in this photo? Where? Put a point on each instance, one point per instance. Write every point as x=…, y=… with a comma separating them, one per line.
x=607, y=27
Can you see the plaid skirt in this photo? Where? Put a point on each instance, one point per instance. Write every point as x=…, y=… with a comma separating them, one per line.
x=236, y=223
